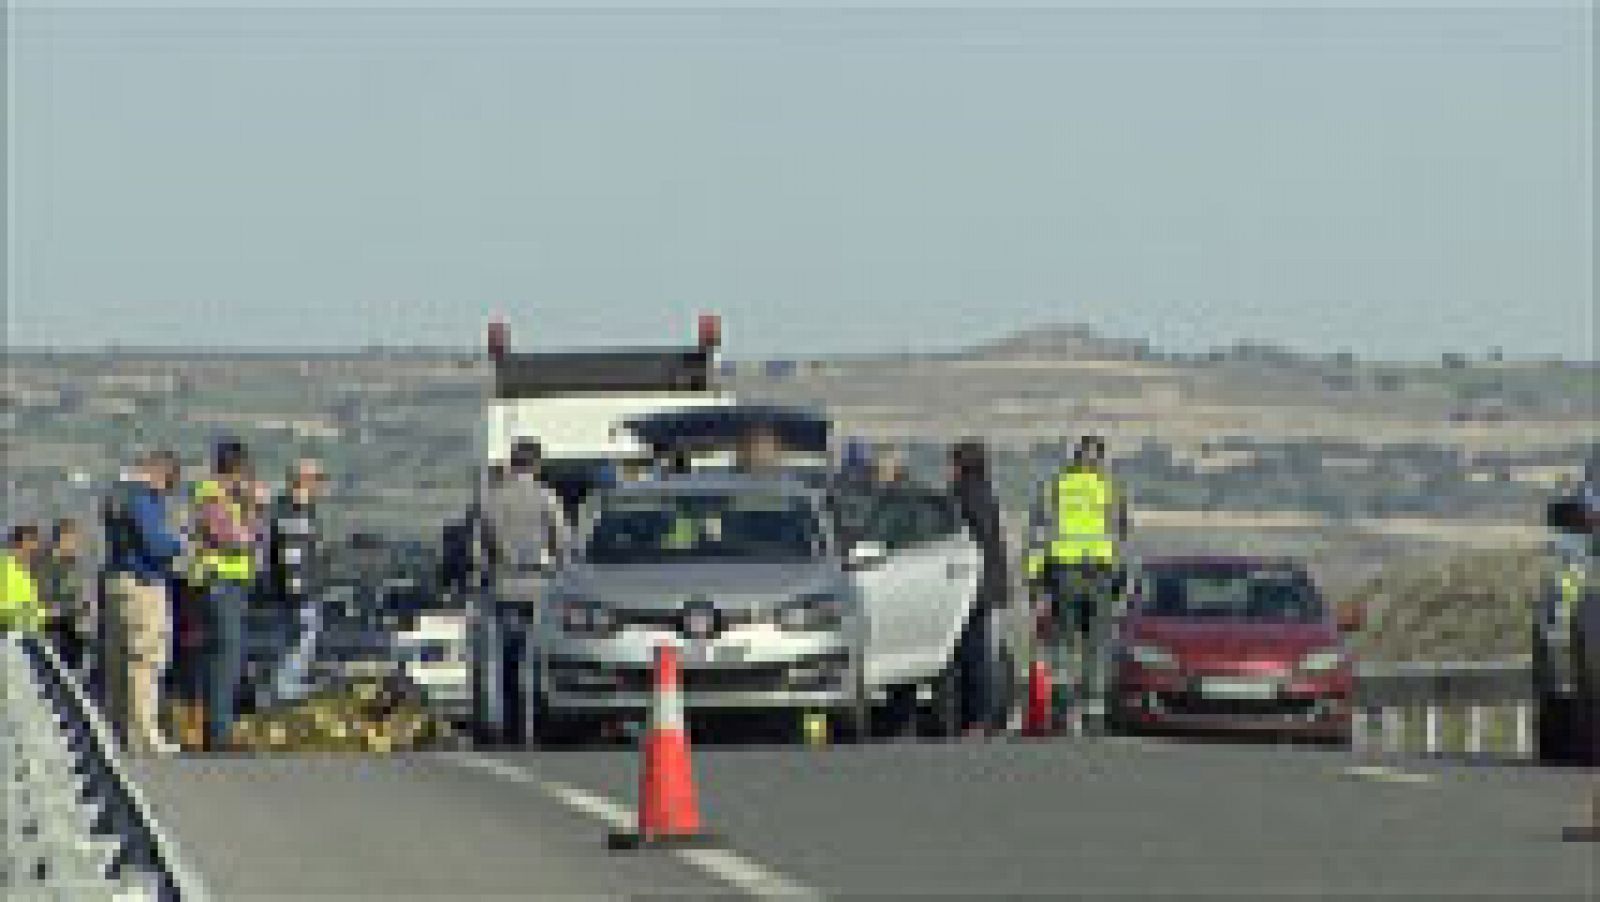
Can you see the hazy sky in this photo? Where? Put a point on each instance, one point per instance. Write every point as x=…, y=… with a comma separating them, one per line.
x=1394, y=182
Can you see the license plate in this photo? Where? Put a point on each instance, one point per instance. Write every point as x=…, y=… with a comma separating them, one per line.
x=697, y=652
x=1238, y=688
x=729, y=652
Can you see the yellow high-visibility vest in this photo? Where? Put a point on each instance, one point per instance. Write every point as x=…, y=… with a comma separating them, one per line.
x=1571, y=584
x=682, y=534
x=19, y=596
x=212, y=564
x=1083, y=502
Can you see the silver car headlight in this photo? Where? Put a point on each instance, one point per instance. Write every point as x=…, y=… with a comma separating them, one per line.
x=1322, y=660
x=819, y=612
x=1151, y=656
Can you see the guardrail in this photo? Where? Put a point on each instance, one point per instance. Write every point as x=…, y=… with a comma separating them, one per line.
x=1472, y=707
x=75, y=825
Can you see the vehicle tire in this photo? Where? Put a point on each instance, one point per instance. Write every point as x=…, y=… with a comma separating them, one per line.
x=1586, y=716
x=548, y=731
x=897, y=718
x=854, y=721
x=942, y=718
x=1587, y=729
x=1556, y=728
x=1116, y=722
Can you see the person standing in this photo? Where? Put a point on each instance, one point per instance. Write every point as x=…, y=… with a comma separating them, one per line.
x=523, y=530
x=142, y=553
x=524, y=523
x=20, y=608
x=224, y=572
x=1080, y=520
x=855, y=458
x=980, y=512
x=62, y=582
x=294, y=557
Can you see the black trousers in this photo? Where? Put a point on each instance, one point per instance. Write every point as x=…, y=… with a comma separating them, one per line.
x=68, y=644
x=975, y=658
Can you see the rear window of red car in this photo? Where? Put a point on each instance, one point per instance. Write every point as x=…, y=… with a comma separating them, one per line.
x=1232, y=593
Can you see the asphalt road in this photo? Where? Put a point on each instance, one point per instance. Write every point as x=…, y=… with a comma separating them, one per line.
x=1066, y=817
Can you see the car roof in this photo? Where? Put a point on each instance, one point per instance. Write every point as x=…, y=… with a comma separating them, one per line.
x=690, y=483
x=802, y=428
x=1221, y=562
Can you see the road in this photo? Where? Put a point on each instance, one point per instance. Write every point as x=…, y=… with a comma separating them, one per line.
x=1071, y=816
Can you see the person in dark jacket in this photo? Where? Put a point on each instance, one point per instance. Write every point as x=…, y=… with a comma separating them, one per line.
x=64, y=588
x=293, y=576
x=975, y=501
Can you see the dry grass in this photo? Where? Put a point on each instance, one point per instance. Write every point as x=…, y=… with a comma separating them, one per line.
x=1457, y=606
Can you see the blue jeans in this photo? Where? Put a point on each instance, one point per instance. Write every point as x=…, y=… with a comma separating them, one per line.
x=295, y=645
x=224, y=657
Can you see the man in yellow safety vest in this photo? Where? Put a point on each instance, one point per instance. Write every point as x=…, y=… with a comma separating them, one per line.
x=223, y=574
x=19, y=591
x=1079, y=522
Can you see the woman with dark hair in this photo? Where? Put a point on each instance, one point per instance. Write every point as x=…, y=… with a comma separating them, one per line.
x=975, y=500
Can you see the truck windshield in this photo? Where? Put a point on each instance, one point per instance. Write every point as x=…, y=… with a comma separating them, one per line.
x=1234, y=596
x=661, y=527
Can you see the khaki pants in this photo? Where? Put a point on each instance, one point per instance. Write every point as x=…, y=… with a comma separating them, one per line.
x=138, y=639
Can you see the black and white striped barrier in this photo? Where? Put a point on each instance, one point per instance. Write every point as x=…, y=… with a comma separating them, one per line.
x=75, y=824
x=1472, y=707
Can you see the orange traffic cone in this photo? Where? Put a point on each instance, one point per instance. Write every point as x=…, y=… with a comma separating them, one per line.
x=1039, y=719
x=668, y=812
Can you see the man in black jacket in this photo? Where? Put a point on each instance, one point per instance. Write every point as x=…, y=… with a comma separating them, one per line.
x=975, y=500
x=293, y=577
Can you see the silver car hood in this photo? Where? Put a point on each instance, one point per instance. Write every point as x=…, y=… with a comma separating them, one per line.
x=729, y=584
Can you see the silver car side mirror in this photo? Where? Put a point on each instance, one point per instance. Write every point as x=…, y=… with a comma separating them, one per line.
x=865, y=555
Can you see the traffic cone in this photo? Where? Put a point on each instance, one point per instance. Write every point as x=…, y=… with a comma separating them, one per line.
x=1039, y=719
x=668, y=812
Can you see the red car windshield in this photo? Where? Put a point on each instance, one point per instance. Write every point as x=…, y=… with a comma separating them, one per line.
x=1233, y=595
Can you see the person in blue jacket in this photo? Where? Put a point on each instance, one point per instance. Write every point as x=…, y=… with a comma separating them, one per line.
x=143, y=552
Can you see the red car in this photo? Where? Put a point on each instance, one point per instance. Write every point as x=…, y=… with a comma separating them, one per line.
x=1231, y=643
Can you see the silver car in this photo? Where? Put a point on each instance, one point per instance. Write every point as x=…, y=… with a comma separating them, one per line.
x=743, y=574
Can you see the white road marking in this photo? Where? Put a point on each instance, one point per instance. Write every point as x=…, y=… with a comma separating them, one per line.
x=1386, y=775
x=736, y=870
x=601, y=809
x=729, y=867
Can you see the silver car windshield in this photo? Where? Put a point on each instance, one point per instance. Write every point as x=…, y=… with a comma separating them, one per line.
x=660, y=527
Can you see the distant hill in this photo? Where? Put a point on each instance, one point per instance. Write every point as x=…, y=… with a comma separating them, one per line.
x=1070, y=340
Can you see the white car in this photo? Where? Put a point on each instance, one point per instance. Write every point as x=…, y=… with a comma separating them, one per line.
x=434, y=655
x=919, y=598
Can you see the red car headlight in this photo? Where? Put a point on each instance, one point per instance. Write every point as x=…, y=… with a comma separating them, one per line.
x=1324, y=660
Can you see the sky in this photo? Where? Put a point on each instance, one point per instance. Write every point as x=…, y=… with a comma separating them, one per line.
x=830, y=177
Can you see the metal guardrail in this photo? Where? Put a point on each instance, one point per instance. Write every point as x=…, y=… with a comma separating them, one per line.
x=1471, y=707
x=75, y=824
x=1473, y=682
